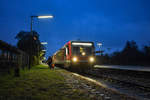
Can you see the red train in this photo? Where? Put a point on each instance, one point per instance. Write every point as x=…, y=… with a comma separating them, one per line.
x=75, y=55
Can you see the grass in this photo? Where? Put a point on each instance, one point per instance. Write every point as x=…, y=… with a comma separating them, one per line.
x=39, y=83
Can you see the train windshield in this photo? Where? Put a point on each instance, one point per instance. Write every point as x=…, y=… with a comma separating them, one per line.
x=82, y=49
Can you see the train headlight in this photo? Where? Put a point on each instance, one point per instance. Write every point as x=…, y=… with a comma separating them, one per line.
x=91, y=59
x=83, y=53
x=74, y=59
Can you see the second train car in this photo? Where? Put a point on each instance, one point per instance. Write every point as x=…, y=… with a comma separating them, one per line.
x=76, y=55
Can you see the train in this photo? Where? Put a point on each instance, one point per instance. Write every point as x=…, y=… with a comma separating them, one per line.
x=75, y=55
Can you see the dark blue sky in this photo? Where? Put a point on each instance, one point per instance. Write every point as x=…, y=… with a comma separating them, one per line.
x=111, y=22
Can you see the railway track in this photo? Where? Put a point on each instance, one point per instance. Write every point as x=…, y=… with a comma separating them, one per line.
x=131, y=88
x=131, y=84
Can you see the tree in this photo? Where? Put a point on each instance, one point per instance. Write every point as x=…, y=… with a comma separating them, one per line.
x=146, y=55
x=130, y=54
x=29, y=43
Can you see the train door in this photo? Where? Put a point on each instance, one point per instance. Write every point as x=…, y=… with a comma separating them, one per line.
x=67, y=57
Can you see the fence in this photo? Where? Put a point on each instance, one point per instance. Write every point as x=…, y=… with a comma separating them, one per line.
x=11, y=58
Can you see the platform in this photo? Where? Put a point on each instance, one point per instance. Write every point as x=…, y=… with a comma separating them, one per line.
x=133, y=68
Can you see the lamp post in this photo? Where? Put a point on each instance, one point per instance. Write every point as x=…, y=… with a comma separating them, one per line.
x=39, y=17
x=99, y=45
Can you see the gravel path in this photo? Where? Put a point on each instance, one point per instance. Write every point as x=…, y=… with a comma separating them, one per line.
x=91, y=89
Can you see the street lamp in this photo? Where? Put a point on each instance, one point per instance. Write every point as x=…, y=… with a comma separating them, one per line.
x=45, y=16
x=40, y=17
x=44, y=50
x=99, y=45
x=44, y=43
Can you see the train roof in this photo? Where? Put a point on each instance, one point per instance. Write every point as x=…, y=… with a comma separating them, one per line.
x=78, y=41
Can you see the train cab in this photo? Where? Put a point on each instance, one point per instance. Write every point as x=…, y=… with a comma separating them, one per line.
x=75, y=54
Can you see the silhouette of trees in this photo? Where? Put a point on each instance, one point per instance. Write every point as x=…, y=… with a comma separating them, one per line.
x=146, y=53
x=30, y=43
x=130, y=55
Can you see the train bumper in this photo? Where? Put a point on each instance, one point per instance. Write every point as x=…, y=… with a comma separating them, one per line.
x=82, y=64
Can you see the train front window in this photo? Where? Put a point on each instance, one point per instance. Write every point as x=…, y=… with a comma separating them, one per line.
x=81, y=50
